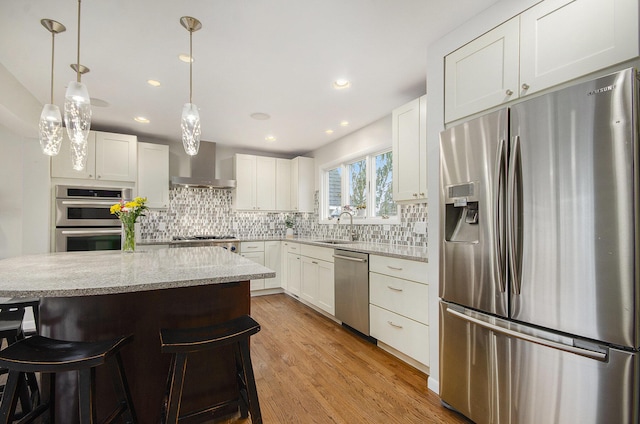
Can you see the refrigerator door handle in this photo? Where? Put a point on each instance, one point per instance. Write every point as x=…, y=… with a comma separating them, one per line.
x=600, y=356
x=498, y=235
x=512, y=212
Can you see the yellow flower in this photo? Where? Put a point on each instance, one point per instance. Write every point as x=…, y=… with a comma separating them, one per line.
x=115, y=208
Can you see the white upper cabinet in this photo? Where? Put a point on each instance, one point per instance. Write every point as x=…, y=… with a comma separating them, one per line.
x=283, y=184
x=302, y=184
x=551, y=43
x=564, y=39
x=409, y=144
x=153, y=174
x=482, y=73
x=255, y=182
x=110, y=157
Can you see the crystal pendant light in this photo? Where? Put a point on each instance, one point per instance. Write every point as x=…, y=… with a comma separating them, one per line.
x=77, y=112
x=50, y=119
x=190, y=117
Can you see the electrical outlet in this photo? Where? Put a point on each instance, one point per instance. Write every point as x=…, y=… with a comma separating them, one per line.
x=272, y=225
x=386, y=227
x=162, y=226
x=234, y=225
x=420, y=228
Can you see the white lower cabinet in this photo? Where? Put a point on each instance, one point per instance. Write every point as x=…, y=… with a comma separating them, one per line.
x=273, y=260
x=317, y=285
x=399, y=299
x=254, y=250
x=294, y=273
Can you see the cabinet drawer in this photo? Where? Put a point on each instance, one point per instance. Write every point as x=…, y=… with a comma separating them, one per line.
x=407, y=336
x=403, y=297
x=322, y=253
x=400, y=268
x=292, y=247
x=252, y=246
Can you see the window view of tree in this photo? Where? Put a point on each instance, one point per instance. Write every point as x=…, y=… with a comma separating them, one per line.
x=334, y=184
x=358, y=184
x=385, y=206
x=365, y=186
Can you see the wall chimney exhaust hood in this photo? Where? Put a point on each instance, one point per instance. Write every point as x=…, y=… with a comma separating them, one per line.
x=197, y=171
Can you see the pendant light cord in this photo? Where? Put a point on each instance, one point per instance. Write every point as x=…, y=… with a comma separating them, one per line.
x=78, y=57
x=53, y=47
x=190, y=65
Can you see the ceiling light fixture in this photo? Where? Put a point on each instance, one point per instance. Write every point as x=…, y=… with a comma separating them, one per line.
x=153, y=83
x=185, y=57
x=141, y=119
x=190, y=116
x=270, y=138
x=329, y=132
x=260, y=116
x=344, y=123
x=339, y=84
x=77, y=112
x=50, y=119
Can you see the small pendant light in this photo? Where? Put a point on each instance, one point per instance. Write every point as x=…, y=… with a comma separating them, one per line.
x=77, y=112
x=190, y=117
x=50, y=118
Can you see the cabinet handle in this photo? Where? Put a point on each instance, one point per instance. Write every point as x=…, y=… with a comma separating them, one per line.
x=394, y=288
x=314, y=262
x=525, y=86
x=415, y=194
x=422, y=194
x=252, y=247
x=90, y=176
x=394, y=268
x=99, y=176
x=509, y=92
x=394, y=325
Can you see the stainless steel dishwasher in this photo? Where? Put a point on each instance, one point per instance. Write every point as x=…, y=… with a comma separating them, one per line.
x=351, y=272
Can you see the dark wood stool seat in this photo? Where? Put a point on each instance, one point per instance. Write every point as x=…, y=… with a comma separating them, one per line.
x=50, y=356
x=182, y=341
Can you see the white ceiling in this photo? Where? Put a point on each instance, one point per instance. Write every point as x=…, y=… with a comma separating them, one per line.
x=278, y=57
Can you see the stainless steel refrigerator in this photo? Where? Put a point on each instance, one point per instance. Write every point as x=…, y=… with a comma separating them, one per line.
x=539, y=310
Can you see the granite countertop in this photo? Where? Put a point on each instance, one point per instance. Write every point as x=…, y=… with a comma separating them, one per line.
x=383, y=249
x=112, y=271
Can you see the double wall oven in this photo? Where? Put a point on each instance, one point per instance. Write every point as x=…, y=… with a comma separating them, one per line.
x=83, y=219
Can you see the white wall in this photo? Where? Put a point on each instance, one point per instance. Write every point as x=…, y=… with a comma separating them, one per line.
x=471, y=29
x=376, y=135
x=24, y=196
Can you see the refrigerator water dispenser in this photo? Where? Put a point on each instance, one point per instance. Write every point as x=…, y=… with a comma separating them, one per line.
x=461, y=215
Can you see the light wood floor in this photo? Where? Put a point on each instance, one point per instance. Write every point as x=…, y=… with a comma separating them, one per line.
x=311, y=370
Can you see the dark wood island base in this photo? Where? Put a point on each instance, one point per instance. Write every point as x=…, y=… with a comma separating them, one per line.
x=210, y=378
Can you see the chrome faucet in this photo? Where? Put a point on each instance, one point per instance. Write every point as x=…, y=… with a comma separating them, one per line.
x=352, y=232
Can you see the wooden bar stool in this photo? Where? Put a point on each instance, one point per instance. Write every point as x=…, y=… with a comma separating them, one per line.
x=16, y=303
x=50, y=356
x=11, y=332
x=182, y=341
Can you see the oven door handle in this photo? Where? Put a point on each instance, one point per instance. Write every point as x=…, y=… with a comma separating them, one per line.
x=87, y=203
x=86, y=232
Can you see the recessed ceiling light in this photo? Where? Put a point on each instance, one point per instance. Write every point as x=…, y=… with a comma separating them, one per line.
x=344, y=123
x=329, y=132
x=141, y=119
x=270, y=138
x=185, y=58
x=154, y=83
x=339, y=84
x=260, y=116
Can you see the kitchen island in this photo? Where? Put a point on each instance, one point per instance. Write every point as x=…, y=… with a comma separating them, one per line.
x=105, y=294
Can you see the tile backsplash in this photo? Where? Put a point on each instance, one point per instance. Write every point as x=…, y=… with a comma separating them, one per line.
x=210, y=211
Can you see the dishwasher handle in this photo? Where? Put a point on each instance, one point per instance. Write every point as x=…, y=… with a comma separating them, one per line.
x=349, y=258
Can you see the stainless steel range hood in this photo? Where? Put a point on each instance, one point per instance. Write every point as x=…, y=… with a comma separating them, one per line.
x=197, y=171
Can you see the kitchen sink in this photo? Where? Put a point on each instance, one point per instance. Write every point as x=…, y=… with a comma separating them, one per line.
x=333, y=241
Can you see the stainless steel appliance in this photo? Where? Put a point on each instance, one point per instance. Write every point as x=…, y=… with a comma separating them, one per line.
x=351, y=276
x=83, y=218
x=539, y=311
x=227, y=242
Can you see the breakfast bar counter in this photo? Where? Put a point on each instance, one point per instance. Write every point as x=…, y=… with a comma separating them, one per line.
x=105, y=294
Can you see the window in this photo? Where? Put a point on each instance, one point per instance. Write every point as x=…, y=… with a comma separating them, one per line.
x=361, y=186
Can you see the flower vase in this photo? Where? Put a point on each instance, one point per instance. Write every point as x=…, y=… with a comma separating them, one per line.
x=129, y=237
x=289, y=233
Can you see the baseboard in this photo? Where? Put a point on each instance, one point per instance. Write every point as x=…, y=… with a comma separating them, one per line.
x=433, y=385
